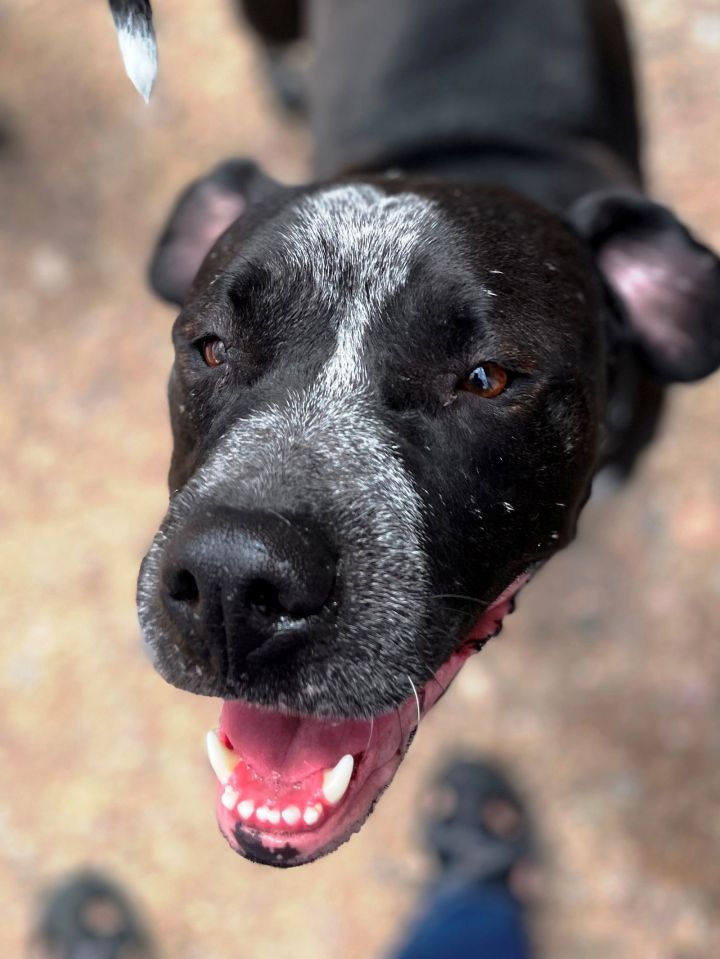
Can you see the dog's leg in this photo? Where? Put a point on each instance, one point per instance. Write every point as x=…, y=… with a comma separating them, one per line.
x=278, y=25
x=277, y=22
x=635, y=411
x=483, y=89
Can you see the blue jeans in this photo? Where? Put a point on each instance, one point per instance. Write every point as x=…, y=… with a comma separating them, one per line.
x=468, y=922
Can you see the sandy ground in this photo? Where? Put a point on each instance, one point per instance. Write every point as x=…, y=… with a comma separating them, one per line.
x=603, y=692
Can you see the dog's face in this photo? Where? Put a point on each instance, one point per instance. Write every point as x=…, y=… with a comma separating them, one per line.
x=387, y=404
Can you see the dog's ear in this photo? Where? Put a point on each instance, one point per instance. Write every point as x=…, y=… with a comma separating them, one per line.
x=666, y=282
x=204, y=211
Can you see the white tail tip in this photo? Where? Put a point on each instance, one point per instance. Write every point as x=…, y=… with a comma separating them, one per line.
x=136, y=38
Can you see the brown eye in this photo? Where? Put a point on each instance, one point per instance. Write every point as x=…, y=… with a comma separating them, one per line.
x=213, y=351
x=487, y=380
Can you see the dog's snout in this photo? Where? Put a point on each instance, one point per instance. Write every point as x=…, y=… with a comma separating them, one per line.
x=238, y=578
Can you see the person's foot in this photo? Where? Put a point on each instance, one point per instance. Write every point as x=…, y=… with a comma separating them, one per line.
x=86, y=916
x=479, y=830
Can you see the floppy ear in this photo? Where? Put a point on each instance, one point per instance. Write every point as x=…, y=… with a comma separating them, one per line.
x=666, y=282
x=202, y=214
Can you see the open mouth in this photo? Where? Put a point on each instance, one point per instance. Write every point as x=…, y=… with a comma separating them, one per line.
x=293, y=788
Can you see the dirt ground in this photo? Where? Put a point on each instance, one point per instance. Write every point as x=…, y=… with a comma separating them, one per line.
x=602, y=694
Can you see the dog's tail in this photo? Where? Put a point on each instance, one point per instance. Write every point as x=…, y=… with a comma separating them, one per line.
x=136, y=37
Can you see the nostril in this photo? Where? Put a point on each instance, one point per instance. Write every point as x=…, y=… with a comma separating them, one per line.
x=263, y=597
x=182, y=586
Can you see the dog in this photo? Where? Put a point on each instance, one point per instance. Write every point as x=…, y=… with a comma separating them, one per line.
x=393, y=386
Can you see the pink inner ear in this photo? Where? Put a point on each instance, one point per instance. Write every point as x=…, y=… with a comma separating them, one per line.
x=220, y=210
x=198, y=225
x=662, y=284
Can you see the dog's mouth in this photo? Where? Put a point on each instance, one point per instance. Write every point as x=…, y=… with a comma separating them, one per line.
x=293, y=788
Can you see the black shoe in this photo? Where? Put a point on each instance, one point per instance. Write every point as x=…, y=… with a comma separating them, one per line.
x=88, y=917
x=478, y=827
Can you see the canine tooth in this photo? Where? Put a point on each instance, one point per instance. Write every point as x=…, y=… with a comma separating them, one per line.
x=222, y=759
x=246, y=808
x=229, y=798
x=311, y=816
x=274, y=816
x=291, y=815
x=262, y=813
x=337, y=780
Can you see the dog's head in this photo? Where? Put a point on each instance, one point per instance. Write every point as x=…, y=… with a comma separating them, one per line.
x=387, y=403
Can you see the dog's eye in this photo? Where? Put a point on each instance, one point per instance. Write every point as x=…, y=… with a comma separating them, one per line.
x=487, y=380
x=213, y=351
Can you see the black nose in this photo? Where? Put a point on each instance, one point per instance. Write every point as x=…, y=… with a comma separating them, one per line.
x=237, y=579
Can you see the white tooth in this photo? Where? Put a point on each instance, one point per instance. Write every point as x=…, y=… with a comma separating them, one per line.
x=262, y=813
x=229, y=798
x=311, y=816
x=246, y=808
x=291, y=815
x=274, y=816
x=337, y=780
x=222, y=759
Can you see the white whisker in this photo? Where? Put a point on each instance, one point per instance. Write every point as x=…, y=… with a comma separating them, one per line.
x=372, y=723
x=417, y=699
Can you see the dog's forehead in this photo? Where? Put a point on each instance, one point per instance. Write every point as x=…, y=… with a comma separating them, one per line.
x=363, y=243
x=334, y=267
x=364, y=240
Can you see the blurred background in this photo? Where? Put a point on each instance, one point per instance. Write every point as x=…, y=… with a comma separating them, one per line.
x=603, y=692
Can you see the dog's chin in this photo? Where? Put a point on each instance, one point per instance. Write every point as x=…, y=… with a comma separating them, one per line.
x=292, y=788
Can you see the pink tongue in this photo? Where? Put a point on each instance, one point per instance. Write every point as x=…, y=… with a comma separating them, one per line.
x=290, y=747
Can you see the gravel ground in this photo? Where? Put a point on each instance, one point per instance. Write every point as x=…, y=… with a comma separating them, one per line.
x=602, y=693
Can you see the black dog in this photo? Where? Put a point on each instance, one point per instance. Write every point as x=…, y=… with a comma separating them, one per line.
x=392, y=389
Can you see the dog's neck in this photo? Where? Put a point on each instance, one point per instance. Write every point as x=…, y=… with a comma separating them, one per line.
x=536, y=97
